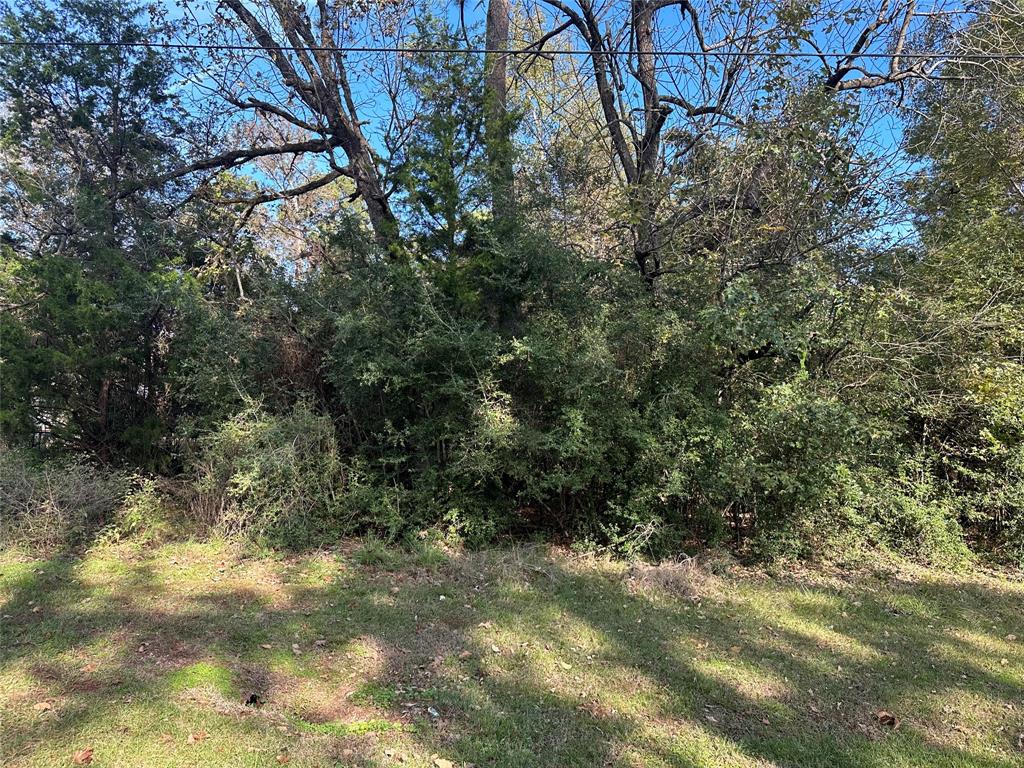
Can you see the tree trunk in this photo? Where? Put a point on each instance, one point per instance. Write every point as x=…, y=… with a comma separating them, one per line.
x=497, y=133
x=367, y=181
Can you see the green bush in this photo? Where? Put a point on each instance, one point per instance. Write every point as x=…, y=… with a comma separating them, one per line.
x=147, y=514
x=276, y=478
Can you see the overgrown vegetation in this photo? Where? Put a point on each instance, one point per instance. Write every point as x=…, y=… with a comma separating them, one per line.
x=48, y=505
x=721, y=332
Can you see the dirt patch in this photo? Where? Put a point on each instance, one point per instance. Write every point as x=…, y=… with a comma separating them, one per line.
x=681, y=579
x=69, y=680
x=335, y=707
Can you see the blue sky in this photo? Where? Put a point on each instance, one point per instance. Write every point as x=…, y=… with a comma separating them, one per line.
x=881, y=133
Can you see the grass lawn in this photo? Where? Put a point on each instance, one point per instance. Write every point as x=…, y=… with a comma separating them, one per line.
x=367, y=657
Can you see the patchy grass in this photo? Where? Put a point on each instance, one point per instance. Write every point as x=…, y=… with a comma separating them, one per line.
x=197, y=654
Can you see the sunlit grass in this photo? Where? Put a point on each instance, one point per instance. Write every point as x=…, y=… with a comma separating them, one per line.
x=370, y=656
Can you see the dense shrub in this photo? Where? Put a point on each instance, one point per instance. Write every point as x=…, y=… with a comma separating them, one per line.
x=49, y=505
x=273, y=477
x=495, y=397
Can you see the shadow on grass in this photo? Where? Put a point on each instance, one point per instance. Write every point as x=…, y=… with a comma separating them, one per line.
x=526, y=661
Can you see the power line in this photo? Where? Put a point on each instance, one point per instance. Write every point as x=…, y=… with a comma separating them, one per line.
x=510, y=51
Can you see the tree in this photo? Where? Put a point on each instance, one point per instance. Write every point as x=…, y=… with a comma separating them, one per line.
x=298, y=77
x=958, y=345
x=659, y=110
x=88, y=245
